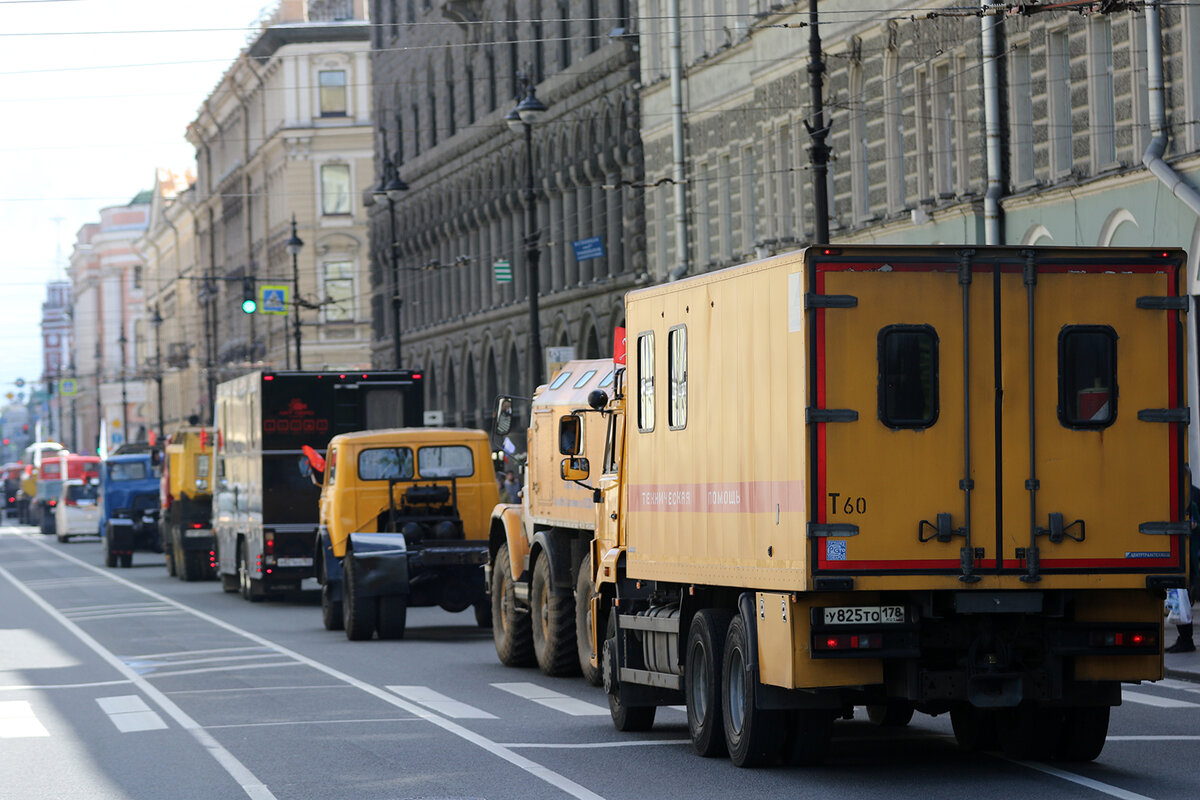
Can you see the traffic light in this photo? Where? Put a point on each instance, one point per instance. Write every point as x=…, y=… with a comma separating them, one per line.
x=249, y=301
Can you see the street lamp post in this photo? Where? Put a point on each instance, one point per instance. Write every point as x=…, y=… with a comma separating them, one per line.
x=124, y=398
x=294, y=244
x=390, y=188
x=521, y=120
x=157, y=322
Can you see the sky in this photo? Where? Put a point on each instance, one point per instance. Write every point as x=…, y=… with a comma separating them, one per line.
x=95, y=95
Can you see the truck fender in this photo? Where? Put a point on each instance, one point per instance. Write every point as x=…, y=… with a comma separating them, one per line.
x=750, y=618
x=555, y=544
x=507, y=528
x=380, y=562
x=331, y=566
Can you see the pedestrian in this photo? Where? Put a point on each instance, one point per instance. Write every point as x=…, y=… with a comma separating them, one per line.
x=511, y=489
x=1184, y=642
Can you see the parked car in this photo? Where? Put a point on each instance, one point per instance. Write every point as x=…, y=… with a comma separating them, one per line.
x=77, y=512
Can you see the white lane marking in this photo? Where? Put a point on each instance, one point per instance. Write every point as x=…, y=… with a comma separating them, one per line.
x=251, y=785
x=440, y=703
x=30, y=687
x=124, y=615
x=183, y=662
x=519, y=761
x=261, y=689
x=1153, y=739
x=313, y=722
x=1183, y=686
x=234, y=668
x=174, y=653
x=1155, y=700
x=131, y=714
x=63, y=583
x=555, y=700
x=597, y=745
x=1108, y=789
x=110, y=607
x=17, y=721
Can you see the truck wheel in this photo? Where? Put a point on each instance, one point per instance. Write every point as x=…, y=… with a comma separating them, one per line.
x=702, y=677
x=483, y=614
x=752, y=734
x=110, y=558
x=169, y=557
x=191, y=565
x=895, y=713
x=62, y=537
x=358, y=612
x=331, y=610
x=48, y=524
x=583, y=622
x=245, y=582
x=552, y=614
x=974, y=728
x=393, y=617
x=1083, y=734
x=1029, y=733
x=625, y=718
x=510, y=627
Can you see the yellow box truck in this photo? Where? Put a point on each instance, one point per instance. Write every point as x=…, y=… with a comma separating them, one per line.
x=941, y=479
x=539, y=565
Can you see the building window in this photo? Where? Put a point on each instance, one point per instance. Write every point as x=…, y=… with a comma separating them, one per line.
x=645, y=385
x=943, y=130
x=908, y=376
x=564, y=35
x=1058, y=87
x=725, y=203
x=1100, y=87
x=335, y=189
x=860, y=187
x=1087, y=376
x=593, y=26
x=493, y=98
x=332, y=84
x=924, y=144
x=894, y=132
x=416, y=115
x=137, y=276
x=539, y=45
x=470, y=94
x=339, y=291
x=677, y=375
x=703, y=216
x=749, y=201
x=1022, y=115
x=1191, y=63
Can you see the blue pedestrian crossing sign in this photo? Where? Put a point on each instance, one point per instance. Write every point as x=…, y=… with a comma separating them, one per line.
x=273, y=299
x=68, y=387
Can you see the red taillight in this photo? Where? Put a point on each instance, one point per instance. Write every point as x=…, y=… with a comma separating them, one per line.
x=342, y=376
x=197, y=525
x=69, y=502
x=1117, y=638
x=268, y=377
x=269, y=543
x=850, y=641
x=416, y=376
x=53, y=503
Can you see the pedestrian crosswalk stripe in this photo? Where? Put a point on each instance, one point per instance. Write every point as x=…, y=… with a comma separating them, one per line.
x=17, y=721
x=554, y=700
x=1156, y=701
x=130, y=713
x=440, y=703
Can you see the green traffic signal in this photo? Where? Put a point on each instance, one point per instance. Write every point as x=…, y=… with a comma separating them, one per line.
x=249, y=301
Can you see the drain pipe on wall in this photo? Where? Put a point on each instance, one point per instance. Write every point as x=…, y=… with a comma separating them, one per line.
x=1181, y=189
x=992, y=231
x=678, y=175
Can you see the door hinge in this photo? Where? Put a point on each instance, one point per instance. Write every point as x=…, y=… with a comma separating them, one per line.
x=812, y=415
x=1163, y=303
x=1180, y=415
x=829, y=301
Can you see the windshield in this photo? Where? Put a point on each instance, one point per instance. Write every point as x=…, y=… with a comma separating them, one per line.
x=130, y=471
x=76, y=492
x=445, y=462
x=384, y=463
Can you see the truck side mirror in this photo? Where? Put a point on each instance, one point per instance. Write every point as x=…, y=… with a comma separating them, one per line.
x=570, y=435
x=155, y=458
x=575, y=469
x=504, y=416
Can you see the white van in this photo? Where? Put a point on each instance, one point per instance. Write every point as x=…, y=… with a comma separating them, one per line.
x=78, y=510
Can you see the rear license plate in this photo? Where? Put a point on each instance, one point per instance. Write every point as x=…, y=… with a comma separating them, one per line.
x=864, y=615
x=293, y=562
x=198, y=533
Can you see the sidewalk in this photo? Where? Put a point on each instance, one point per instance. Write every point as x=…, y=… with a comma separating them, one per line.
x=1184, y=666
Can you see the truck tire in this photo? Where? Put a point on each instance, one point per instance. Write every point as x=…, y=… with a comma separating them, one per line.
x=702, y=680
x=49, y=525
x=62, y=537
x=190, y=565
x=126, y=560
x=974, y=728
x=245, y=582
x=1029, y=733
x=358, y=612
x=752, y=734
x=625, y=718
x=169, y=557
x=510, y=627
x=331, y=610
x=392, y=617
x=1083, y=733
x=552, y=613
x=483, y=614
x=895, y=713
x=583, y=623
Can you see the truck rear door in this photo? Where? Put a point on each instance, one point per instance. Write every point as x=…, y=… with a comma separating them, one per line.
x=946, y=445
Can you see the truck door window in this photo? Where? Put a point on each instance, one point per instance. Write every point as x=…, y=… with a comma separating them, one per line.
x=452, y=461
x=560, y=380
x=584, y=378
x=677, y=377
x=908, y=376
x=201, y=466
x=133, y=471
x=382, y=463
x=607, y=380
x=645, y=376
x=612, y=445
x=1087, y=376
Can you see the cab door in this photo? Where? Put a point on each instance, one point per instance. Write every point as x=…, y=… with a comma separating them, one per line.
x=903, y=415
x=1094, y=415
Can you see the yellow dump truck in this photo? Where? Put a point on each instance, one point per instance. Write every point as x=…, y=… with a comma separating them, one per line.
x=539, y=564
x=185, y=524
x=403, y=522
x=932, y=478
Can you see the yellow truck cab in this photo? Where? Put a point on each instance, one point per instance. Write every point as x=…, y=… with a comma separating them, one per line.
x=539, y=564
x=189, y=547
x=941, y=479
x=404, y=518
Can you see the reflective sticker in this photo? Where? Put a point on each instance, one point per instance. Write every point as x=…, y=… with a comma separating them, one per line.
x=795, y=302
x=835, y=550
